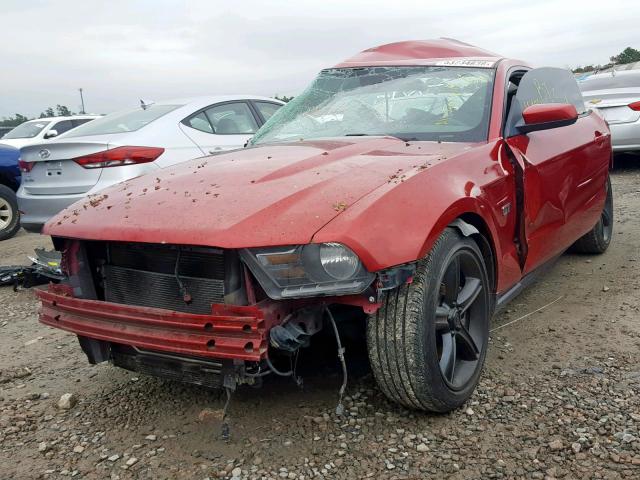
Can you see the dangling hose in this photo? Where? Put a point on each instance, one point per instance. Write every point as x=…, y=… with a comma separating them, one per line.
x=226, y=432
x=339, y=407
x=186, y=297
x=276, y=371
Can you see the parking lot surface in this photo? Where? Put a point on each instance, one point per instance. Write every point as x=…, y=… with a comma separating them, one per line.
x=559, y=397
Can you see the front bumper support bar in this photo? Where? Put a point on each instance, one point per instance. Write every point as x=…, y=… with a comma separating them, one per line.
x=230, y=332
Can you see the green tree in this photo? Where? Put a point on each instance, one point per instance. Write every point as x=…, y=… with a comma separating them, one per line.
x=628, y=55
x=587, y=68
x=14, y=121
x=63, y=111
x=48, y=113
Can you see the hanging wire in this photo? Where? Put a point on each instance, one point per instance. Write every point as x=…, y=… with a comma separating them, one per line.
x=340, y=406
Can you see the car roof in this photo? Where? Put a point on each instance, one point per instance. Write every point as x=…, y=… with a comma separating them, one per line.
x=185, y=107
x=203, y=101
x=610, y=74
x=444, y=51
x=73, y=117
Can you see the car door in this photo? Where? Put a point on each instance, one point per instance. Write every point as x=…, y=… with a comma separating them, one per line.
x=220, y=127
x=562, y=167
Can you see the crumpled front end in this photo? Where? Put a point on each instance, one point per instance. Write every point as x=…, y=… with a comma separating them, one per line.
x=194, y=314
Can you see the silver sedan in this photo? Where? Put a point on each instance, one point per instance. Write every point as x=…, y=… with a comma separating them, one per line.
x=616, y=95
x=131, y=143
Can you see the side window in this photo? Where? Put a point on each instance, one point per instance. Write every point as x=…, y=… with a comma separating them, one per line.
x=232, y=118
x=510, y=93
x=199, y=122
x=267, y=109
x=543, y=85
x=62, y=127
x=80, y=121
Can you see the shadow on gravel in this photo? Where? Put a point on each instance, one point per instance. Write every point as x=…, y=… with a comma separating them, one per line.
x=626, y=162
x=318, y=364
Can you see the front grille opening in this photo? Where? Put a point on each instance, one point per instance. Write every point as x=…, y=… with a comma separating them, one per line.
x=145, y=275
x=204, y=372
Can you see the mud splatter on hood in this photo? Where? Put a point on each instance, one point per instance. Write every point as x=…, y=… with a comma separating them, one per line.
x=269, y=195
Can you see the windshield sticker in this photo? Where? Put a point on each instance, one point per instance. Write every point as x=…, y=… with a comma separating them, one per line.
x=465, y=62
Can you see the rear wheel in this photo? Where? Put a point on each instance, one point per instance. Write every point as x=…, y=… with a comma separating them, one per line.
x=9, y=216
x=428, y=341
x=597, y=240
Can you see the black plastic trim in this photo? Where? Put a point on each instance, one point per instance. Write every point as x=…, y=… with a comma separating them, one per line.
x=502, y=299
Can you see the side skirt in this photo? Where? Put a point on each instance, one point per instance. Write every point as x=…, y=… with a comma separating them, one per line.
x=502, y=299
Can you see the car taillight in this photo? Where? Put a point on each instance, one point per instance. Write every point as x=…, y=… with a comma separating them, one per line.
x=119, y=156
x=635, y=106
x=25, y=166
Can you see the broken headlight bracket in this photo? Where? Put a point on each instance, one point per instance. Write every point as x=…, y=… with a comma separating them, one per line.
x=392, y=278
x=296, y=330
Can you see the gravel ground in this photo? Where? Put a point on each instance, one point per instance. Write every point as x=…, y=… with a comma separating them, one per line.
x=558, y=397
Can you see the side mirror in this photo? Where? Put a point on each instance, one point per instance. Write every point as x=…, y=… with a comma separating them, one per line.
x=51, y=133
x=547, y=115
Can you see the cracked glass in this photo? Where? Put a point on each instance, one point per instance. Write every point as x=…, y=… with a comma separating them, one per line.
x=449, y=104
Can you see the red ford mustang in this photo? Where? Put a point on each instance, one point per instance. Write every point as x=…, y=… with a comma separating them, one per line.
x=419, y=184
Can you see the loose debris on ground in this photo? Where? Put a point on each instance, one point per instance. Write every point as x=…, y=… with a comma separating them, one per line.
x=560, y=397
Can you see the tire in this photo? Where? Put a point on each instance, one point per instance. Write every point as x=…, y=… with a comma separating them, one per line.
x=9, y=214
x=413, y=333
x=597, y=240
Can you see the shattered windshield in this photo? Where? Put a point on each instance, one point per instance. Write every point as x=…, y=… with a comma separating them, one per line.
x=449, y=104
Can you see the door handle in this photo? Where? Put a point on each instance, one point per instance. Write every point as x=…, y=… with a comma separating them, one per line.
x=215, y=150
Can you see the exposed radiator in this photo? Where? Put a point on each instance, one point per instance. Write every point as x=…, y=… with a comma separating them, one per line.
x=145, y=276
x=150, y=289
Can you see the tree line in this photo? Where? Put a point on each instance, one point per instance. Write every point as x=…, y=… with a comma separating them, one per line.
x=17, y=119
x=628, y=55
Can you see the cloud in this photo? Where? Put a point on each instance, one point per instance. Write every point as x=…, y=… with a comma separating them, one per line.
x=121, y=51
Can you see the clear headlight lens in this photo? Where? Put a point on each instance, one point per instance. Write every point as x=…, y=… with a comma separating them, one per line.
x=307, y=270
x=338, y=261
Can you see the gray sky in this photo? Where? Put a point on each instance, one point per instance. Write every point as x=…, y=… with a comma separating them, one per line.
x=121, y=51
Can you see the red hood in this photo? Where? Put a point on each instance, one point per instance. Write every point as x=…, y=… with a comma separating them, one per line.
x=269, y=195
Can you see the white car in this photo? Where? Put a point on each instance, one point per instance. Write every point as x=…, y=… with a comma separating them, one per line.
x=131, y=143
x=42, y=129
x=616, y=95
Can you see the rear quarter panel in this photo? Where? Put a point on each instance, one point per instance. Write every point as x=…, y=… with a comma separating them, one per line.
x=165, y=133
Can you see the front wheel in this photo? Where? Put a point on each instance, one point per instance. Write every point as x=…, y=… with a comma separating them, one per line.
x=427, y=343
x=9, y=215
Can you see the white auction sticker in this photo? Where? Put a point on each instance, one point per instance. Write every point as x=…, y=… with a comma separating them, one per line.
x=465, y=62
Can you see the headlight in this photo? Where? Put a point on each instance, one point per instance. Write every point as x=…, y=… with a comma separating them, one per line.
x=338, y=261
x=307, y=270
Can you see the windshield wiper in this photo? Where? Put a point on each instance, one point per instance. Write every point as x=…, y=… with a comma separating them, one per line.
x=407, y=139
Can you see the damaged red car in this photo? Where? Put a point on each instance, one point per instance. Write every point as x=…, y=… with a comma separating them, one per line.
x=419, y=185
